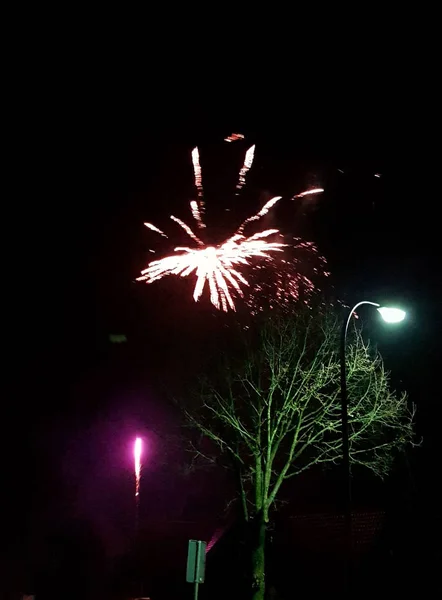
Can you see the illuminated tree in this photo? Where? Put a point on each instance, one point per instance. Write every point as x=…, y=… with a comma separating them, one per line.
x=274, y=410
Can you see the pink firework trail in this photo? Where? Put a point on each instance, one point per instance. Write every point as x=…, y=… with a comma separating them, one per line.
x=217, y=267
x=137, y=460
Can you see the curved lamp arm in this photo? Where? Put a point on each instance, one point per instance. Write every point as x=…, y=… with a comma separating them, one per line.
x=350, y=314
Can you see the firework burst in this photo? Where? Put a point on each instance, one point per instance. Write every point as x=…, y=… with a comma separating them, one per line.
x=292, y=279
x=218, y=267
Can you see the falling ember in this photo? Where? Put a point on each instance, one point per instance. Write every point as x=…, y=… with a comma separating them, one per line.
x=248, y=161
x=309, y=193
x=292, y=279
x=234, y=137
x=137, y=460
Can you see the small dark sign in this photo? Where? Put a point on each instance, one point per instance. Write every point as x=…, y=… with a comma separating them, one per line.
x=196, y=561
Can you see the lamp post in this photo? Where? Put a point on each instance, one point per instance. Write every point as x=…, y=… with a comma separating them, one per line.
x=389, y=315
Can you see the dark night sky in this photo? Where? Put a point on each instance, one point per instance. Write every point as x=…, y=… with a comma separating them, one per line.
x=83, y=189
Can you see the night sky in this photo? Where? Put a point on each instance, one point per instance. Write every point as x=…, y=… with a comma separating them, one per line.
x=76, y=241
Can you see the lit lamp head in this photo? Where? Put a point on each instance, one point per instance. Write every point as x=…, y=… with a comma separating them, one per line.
x=391, y=315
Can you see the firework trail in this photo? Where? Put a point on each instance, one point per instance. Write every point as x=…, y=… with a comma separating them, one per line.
x=264, y=210
x=137, y=465
x=248, y=161
x=137, y=470
x=153, y=228
x=218, y=267
x=198, y=207
x=187, y=229
x=309, y=193
x=196, y=213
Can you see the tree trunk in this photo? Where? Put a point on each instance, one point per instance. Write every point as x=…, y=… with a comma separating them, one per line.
x=258, y=557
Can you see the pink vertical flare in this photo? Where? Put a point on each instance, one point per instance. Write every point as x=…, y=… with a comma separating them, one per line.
x=137, y=456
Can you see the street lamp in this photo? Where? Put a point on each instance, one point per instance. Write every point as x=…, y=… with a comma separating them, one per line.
x=389, y=315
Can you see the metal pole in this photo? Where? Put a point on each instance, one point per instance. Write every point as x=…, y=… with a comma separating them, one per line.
x=345, y=457
x=137, y=516
x=197, y=561
x=348, y=534
x=137, y=543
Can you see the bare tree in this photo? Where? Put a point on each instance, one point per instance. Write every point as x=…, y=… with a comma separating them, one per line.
x=275, y=411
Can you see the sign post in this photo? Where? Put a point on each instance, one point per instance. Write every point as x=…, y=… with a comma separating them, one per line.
x=196, y=564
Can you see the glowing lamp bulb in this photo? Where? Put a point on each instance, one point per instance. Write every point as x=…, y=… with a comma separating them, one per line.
x=391, y=315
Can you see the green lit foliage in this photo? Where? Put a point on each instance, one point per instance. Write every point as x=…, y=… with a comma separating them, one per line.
x=274, y=408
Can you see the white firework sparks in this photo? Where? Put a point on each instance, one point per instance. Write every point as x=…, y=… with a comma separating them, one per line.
x=217, y=267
